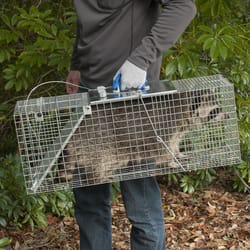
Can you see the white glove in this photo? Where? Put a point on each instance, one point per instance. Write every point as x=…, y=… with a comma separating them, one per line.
x=131, y=76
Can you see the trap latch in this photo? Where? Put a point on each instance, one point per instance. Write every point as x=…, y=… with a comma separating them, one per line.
x=39, y=114
x=87, y=110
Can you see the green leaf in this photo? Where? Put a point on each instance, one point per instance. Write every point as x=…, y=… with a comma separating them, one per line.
x=32, y=225
x=61, y=196
x=14, y=19
x=208, y=43
x=205, y=28
x=223, y=50
x=54, y=29
x=171, y=68
x=23, y=23
x=6, y=20
x=3, y=222
x=182, y=64
x=44, y=33
x=190, y=189
x=40, y=219
x=18, y=85
x=26, y=219
x=5, y=241
x=214, y=50
x=19, y=72
x=228, y=41
x=9, y=85
x=2, y=56
x=203, y=38
x=185, y=189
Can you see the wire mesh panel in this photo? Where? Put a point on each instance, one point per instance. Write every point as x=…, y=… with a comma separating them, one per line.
x=83, y=139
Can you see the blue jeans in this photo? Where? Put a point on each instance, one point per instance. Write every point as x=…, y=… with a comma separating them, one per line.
x=142, y=200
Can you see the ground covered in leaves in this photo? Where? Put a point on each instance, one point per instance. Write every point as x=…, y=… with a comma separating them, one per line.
x=215, y=218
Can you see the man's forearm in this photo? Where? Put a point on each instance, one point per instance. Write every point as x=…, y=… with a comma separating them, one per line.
x=173, y=20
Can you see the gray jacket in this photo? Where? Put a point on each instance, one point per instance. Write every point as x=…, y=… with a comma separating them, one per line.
x=111, y=31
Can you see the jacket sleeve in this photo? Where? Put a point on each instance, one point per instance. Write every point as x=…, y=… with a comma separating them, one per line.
x=75, y=60
x=174, y=18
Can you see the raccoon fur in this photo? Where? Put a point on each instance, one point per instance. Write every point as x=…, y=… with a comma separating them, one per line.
x=120, y=134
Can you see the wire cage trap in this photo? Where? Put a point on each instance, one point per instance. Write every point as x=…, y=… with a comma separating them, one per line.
x=96, y=137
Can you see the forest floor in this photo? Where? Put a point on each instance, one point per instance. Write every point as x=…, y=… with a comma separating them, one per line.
x=213, y=219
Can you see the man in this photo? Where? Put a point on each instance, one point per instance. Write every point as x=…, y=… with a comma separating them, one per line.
x=124, y=37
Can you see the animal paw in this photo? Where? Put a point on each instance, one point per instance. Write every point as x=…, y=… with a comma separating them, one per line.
x=173, y=164
x=181, y=155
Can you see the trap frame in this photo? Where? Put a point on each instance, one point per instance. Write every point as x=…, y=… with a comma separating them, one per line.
x=85, y=139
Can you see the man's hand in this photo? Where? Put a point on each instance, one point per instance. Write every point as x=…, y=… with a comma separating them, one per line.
x=131, y=76
x=74, y=78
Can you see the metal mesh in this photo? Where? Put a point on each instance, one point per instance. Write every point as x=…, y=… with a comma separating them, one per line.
x=80, y=140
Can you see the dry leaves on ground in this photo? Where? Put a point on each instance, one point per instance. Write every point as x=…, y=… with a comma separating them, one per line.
x=212, y=219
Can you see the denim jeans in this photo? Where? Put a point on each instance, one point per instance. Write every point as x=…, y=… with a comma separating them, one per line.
x=142, y=200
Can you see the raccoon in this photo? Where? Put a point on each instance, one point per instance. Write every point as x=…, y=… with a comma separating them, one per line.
x=132, y=132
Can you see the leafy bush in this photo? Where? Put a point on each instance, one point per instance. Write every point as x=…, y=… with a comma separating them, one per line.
x=217, y=41
x=17, y=208
x=35, y=46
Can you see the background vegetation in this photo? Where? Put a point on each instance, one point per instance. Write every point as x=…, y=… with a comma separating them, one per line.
x=36, y=40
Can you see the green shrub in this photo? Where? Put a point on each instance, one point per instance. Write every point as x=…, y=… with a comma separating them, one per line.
x=35, y=46
x=17, y=208
x=217, y=41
